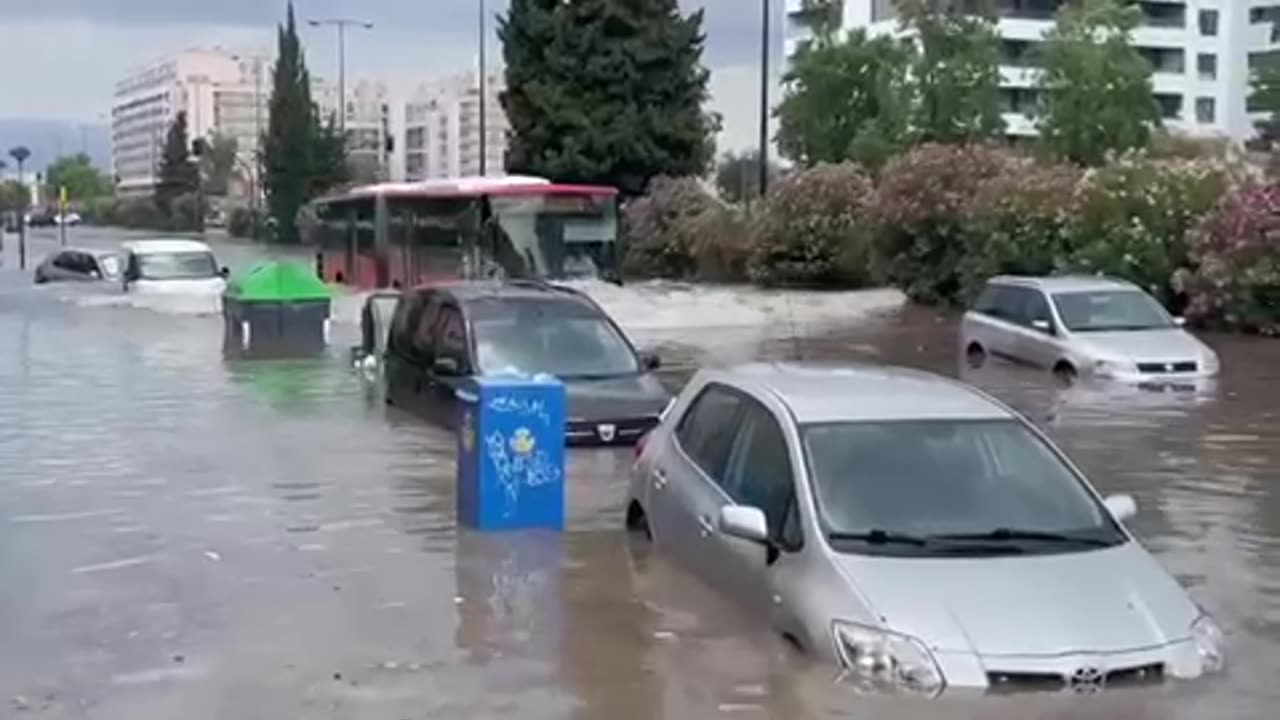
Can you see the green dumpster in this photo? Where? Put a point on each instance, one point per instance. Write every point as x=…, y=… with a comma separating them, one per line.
x=277, y=308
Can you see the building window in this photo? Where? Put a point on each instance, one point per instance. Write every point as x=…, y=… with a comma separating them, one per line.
x=1209, y=23
x=1207, y=64
x=1170, y=105
x=1206, y=109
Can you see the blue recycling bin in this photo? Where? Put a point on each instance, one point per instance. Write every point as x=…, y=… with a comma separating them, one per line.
x=511, y=438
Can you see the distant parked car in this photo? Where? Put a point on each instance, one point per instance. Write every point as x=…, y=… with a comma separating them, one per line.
x=172, y=266
x=441, y=335
x=41, y=219
x=911, y=529
x=78, y=265
x=1082, y=325
x=69, y=219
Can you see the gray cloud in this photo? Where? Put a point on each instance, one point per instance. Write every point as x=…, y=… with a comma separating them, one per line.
x=99, y=40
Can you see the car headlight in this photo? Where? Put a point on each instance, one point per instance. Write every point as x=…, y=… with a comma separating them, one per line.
x=887, y=659
x=1209, y=643
x=1209, y=363
x=1111, y=366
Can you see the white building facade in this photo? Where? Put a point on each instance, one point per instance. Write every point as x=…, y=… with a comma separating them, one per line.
x=442, y=128
x=368, y=124
x=222, y=92
x=1203, y=52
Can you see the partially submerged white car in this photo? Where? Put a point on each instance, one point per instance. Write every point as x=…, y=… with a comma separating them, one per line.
x=181, y=267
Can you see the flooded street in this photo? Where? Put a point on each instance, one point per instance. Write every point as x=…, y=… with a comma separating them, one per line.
x=187, y=536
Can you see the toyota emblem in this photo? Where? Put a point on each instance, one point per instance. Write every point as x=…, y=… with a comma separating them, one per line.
x=607, y=432
x=1086, y=679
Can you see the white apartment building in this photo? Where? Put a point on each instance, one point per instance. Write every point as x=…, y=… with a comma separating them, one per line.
x=368, y=123
x=221, y=92
x=1202, y=52
x=442, y=128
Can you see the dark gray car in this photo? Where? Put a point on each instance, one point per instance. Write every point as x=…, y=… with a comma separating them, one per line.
x=441, y=335
x=78, y=265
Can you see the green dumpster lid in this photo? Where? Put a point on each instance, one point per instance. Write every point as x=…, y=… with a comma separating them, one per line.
x=279, y=280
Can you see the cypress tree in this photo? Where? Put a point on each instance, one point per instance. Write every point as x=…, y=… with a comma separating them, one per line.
x=606, y=91
x=179, y=174
x=289, y=146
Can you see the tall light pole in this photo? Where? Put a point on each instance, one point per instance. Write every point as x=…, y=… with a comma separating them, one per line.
x=484, y=89
x=342, y=24
x=255, y=175
x=764, y=96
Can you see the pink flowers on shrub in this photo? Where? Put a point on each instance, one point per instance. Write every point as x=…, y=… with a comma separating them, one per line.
x=1237, y=251
x=813, y=230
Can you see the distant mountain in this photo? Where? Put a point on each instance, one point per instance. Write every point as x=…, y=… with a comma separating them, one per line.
x=48, y=139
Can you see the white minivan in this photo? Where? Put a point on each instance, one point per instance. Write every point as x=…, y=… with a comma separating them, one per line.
x=185, y=267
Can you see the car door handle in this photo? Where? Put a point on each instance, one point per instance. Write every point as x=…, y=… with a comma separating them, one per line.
x=708, y=527
x=659, y=479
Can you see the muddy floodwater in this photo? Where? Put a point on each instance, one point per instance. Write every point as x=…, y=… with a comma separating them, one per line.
x=183, y=536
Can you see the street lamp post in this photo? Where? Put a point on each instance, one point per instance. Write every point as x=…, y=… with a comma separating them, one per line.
x=20, y=155
x=484, y=88
x=764, y=96
x=341, y=24
x=255, y=176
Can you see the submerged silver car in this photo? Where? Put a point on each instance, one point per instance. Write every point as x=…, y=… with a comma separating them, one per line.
x=911, y=529
x=1082, y=325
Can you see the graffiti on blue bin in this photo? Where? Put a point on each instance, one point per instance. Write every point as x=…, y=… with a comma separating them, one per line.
x=521, y=406
x=519, y=463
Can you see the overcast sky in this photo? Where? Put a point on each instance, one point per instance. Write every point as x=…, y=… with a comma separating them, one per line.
x=60, y=58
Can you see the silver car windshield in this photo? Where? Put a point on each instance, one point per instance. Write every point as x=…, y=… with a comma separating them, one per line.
x=936, y=483
x=176, y=265
x=564, y=345
x=1110, y=310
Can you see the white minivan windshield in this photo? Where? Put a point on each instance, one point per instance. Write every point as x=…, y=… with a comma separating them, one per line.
x=187, y=265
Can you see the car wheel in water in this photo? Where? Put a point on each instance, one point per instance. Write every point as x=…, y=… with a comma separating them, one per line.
x=638, y=522
x=1065, y=373
x=975, y=355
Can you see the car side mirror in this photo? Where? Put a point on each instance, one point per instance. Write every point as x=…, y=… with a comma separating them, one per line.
x=745, y=523
x=651, y=361
x=1043, y=326
x=225, y=272
x=1121, y=507
x=445, y=366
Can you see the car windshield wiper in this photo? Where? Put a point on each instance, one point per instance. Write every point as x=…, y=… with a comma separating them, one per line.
x=879, y=537
x=1014, y=535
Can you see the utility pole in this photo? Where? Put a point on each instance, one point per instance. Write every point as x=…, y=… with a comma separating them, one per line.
x=255, y=174
x=484, y=90
x=341, y=24
x=764, y=96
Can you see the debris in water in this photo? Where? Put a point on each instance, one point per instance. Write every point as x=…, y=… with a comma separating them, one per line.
x=212, y=555
x=179, y=659
x=390, y=665
x=664, y=635
x=337, y=676
x=457, y=599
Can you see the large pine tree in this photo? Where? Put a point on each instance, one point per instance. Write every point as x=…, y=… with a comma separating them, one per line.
x=179, y=174
x=606, y=91
x=301, y=157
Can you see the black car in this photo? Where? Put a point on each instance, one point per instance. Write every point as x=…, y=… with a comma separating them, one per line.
x=439, y=336
x=78, y=265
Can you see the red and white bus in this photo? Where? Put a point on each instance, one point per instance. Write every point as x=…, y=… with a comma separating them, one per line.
x=405, y=234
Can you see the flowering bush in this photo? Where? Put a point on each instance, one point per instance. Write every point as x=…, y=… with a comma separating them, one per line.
x=1132, y=217
x=812, y=230
x=679, y=230
x=1017, y=223
x=1237, y=251
x=923, y=209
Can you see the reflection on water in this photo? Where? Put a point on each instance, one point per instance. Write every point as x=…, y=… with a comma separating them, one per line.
x=183, y=535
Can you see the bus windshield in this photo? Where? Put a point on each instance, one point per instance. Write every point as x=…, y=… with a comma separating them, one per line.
x=556, y=236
